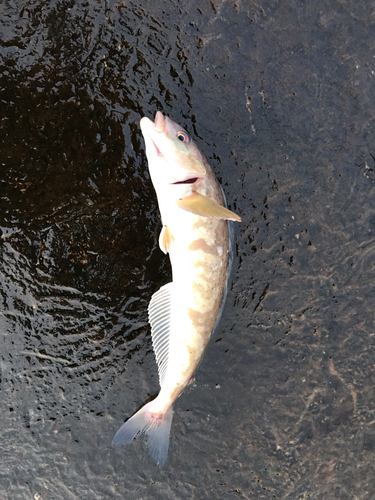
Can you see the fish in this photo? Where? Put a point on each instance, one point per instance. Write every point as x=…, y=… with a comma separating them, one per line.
x=184, y=312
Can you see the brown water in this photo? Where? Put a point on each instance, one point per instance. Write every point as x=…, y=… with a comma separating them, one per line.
x=280, y=98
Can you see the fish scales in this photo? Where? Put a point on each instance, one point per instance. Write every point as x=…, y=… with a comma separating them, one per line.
x=182, y=313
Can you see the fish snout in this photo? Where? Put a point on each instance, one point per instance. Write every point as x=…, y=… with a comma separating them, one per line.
x=160, y=122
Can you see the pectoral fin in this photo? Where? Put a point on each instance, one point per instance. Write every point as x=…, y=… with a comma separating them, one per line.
x=166, y=239
x=201, y=205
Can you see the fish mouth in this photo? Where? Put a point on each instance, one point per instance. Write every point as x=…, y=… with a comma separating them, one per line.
x=159, y=125
x=149, y=127
x=158, y=152
x=190, y=180
x=160, y=122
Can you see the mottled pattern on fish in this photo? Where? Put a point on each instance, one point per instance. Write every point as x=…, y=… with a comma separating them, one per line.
x=182, y=313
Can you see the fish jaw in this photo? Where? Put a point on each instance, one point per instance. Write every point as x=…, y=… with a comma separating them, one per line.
x=172, y=162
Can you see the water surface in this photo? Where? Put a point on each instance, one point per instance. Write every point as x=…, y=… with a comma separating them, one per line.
x=279, y=97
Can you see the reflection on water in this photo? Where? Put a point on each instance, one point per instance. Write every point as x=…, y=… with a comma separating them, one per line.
x=279, y=98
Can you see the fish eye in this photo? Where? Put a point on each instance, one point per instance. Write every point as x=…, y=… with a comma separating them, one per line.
x=182, y=136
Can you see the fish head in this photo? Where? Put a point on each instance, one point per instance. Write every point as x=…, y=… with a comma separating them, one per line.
x=174, y=160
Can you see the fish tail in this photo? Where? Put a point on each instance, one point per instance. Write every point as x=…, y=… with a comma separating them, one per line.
x=155, y=425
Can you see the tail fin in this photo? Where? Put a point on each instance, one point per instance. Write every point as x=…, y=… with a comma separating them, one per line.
x=156, y=426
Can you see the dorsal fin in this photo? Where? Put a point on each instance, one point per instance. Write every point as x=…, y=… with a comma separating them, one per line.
x=159, y=316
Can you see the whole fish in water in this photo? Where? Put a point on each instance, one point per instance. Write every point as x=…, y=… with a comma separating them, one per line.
x=182, y=313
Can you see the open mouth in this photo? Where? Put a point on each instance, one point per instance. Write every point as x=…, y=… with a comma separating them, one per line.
x=158, y=152
x=192, y=180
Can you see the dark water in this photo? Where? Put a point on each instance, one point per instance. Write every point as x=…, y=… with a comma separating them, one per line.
x=280, y=97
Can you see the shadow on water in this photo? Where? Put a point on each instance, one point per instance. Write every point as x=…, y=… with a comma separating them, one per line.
x=71, y=237
x=280, y=99
x=76, y=214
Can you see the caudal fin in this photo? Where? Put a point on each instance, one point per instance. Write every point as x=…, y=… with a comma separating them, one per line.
x=156, y=427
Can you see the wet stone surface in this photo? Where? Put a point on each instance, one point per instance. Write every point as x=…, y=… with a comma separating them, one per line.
x=279, y=96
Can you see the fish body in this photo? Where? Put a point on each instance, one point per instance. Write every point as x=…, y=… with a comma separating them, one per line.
x=195, y=234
